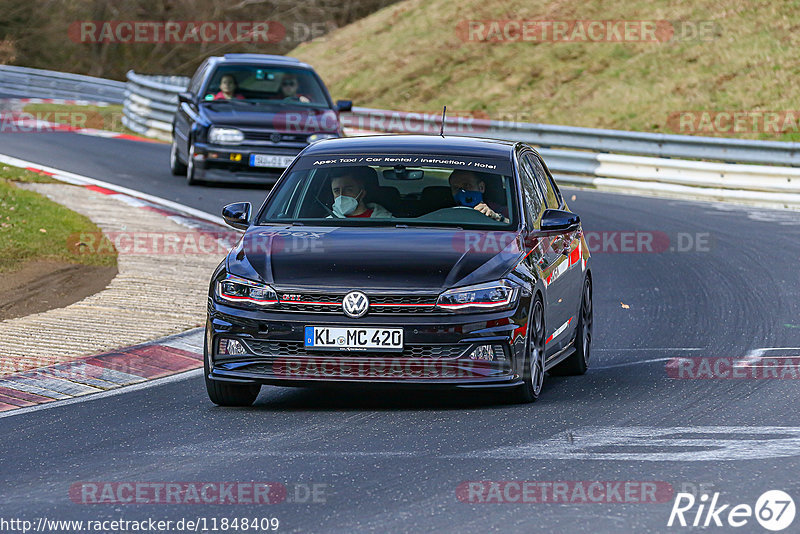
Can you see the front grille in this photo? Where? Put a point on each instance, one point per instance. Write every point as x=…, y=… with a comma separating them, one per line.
x=276, y=349
x=255, y=135
x=378, y=304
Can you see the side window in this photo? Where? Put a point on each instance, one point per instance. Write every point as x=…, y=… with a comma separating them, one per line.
x=197, y=79
x=534, y=200
x=552, y=194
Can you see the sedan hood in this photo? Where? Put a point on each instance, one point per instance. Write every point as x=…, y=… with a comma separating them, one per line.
x=280, y=118
x=373, y=258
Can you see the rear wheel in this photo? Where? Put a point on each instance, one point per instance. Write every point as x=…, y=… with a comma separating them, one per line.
x=177, y=167
x=225, y=394
x=578, y=362
x=533, y=374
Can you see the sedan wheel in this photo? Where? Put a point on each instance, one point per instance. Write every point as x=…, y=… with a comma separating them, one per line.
x=176, y=166
x=578, y=362
x=190, y=179
x=533, y=375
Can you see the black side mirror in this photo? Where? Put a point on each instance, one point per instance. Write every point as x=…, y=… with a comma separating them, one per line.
x=186, y=98
x=559, y=222
x=237, y=215
x=344, y=105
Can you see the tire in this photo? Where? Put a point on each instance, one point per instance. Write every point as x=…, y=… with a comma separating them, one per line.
x=176, y=166
x=190, y=179
x=225, y=394
x=578, y=362
x=533, y=375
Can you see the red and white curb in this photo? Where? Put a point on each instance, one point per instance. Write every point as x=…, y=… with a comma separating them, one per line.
x=102, y=372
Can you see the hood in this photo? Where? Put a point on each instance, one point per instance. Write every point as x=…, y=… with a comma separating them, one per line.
x=292, y=119
x=373, y=258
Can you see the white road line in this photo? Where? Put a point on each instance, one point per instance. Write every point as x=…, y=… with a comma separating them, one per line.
x=639, y=362
x=185, y=375
x=78, y=179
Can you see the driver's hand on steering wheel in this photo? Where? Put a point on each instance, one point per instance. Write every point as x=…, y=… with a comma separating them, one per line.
x=489, y=212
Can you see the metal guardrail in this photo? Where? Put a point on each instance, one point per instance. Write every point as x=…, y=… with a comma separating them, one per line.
x=749, y=170
x=150, y=103
x=27, y=82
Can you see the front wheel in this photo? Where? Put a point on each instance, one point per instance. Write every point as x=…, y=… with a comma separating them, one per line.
x=533, y=374
x=224, y=394
x=578, y=362
x=176, y=166
x=190, y=171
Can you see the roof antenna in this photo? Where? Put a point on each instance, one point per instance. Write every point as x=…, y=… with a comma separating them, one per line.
x=444, y=114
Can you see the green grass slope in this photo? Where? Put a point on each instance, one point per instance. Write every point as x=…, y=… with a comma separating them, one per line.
x=411, y=56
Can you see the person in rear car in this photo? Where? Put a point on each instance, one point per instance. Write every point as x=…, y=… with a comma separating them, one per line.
x=349, y=193
x=468, y=188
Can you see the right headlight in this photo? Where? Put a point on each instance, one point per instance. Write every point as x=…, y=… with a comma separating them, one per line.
x=240, y=291
x=491, y=296
x=225, y=136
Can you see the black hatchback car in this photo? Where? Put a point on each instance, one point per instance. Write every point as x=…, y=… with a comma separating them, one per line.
x=417, y=261
x=244, y=118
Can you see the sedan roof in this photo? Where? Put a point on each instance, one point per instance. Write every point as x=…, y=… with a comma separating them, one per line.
x=413, y=144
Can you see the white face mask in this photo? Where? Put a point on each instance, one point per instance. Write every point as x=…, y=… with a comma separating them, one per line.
x=344, y=205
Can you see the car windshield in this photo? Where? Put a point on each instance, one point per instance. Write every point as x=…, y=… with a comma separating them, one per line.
x=259, y=85
x=392, y=190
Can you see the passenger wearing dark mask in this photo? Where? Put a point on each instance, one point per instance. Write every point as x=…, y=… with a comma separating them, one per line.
x=468, y=189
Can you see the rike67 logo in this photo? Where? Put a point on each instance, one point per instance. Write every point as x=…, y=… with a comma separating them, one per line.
x=774, y=510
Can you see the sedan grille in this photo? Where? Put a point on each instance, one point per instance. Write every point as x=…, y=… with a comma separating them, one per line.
x=277, y=349
x=378, y=304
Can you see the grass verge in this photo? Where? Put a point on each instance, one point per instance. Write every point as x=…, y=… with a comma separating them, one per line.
x=33, y=227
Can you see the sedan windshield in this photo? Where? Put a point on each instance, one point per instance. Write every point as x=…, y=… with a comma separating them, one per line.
x=256, y=84
x=394, y=191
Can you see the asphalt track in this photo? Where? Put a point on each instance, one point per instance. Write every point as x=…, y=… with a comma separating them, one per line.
x=393, y=461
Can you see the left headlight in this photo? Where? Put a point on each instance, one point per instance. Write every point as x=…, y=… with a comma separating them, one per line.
x=242, y=291
x=313, y=138
x=225, y=136
x=490, y=296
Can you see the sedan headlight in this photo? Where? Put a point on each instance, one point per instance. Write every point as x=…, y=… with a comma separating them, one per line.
x=225, y=136
x=490, y=296
x=242, y=291
x=313, y=138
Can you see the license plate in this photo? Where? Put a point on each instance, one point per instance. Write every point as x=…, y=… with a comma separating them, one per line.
x=263, y=160
x=353, y=339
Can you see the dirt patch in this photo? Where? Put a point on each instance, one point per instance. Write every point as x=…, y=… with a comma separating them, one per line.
x=44, y=285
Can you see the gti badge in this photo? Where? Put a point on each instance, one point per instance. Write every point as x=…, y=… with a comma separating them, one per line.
x=355, y=304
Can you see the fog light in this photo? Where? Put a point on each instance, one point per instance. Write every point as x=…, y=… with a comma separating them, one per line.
x=230, y=346
x=489, y=353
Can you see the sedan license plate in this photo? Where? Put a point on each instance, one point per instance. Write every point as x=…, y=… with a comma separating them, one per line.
x=354, y=339
x=263, y=160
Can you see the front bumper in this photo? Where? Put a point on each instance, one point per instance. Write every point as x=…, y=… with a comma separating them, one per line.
x=231, y=164
x=436, y=351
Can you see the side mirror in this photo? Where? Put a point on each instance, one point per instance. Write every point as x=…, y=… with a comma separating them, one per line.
x=344, y=105
x=237, y=215
x=558, y=222
x=186, y=98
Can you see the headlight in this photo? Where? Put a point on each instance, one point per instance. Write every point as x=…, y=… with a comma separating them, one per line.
x=490, y=296
x=242, y=291
x=225, y=136
x=320, y=136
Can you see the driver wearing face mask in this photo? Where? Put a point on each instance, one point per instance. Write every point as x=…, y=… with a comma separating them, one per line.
x=349, y=193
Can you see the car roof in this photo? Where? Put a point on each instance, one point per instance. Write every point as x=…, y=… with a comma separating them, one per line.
x=413, y=144
x=261, y=59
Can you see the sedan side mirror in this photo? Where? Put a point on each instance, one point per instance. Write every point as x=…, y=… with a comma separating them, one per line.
x=559, y=222
x=186, y=98
x=237, y=215
x=344, y=105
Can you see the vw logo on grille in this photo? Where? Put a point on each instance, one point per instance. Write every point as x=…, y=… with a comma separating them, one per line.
x=275, y=138
x=355, y=304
